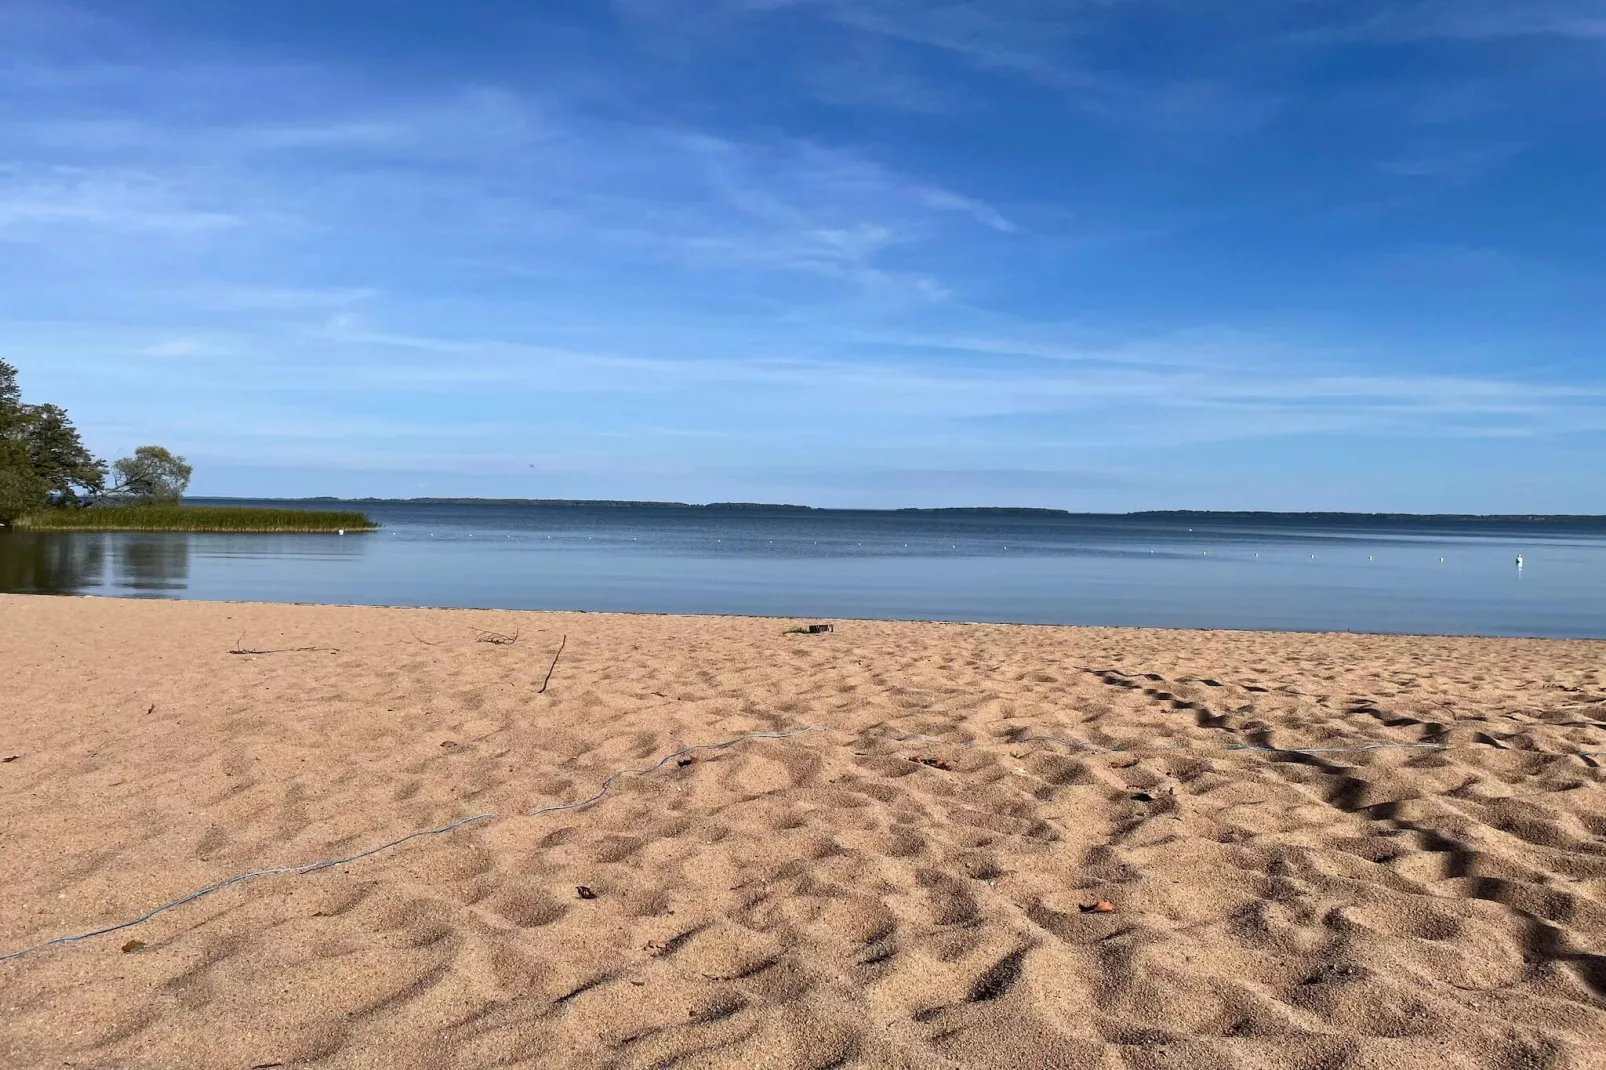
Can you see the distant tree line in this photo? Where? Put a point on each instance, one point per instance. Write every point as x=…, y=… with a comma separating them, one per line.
x=44, y=464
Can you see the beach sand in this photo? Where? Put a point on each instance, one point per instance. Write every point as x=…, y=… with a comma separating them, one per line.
x=836, y=898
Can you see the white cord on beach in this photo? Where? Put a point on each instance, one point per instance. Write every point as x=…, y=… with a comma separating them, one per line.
x=329, y=863
x=607, y=787
x=241, y=879
x=1338, y=750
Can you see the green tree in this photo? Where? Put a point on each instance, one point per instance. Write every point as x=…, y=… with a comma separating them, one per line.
x=42, y=459
x=21, y=492
x=153, y=474
x=10, y=393
x=71, y=473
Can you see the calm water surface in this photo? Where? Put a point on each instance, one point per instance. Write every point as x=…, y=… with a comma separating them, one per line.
x=1419, y=576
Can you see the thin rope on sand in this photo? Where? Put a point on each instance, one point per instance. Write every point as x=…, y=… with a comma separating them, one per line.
x=201, y=893
x=1338, y=750
x=613, y=778
x=330, y=863
x=1082, y=744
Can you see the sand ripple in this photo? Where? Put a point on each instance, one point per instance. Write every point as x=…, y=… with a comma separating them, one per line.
x=854, y=896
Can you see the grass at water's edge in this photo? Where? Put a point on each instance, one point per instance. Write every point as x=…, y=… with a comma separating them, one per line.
x=196, y=518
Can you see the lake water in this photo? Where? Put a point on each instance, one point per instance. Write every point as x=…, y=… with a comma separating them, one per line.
x=1350, y=574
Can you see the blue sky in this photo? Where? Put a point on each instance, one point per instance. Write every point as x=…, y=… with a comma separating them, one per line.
x=1093, y=254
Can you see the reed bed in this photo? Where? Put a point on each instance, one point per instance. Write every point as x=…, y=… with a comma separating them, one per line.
x=196, y=518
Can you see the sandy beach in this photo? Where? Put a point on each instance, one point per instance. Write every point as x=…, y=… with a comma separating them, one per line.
x=995, y=846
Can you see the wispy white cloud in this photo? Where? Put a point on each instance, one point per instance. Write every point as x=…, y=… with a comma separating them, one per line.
x=1092, y=399
x=531, y=174
x=1201, y=349
x=114, y=200
x=1469, y=20
x=1015, y=36
x=183, y=346
x=867, y=74
x=274, y=298
x=1051, y=44
x=1457, y=163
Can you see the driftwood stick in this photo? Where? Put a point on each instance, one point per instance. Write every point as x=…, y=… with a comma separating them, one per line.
x=420, y=638
x=238, y=649
x=561, y=644
x=292, y=650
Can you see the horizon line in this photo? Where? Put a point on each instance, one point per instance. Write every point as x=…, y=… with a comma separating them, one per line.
x=1020, y=509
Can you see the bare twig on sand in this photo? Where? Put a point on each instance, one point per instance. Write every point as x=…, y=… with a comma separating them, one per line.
x=420, y=638
x=1455, y=715
x=561, y=644
x=293, y=650
x=238, y=649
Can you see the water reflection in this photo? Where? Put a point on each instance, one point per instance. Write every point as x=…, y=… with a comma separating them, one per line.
x=166, y=564
x=39, y=563
x=147, y=564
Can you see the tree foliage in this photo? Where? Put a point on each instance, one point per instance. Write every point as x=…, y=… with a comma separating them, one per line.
x=42, y=459
x=10, y=393
x=70, y=471
x=153, y=474
x=21, y=491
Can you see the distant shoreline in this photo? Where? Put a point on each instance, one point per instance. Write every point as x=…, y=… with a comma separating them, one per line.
x=1332, y=516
